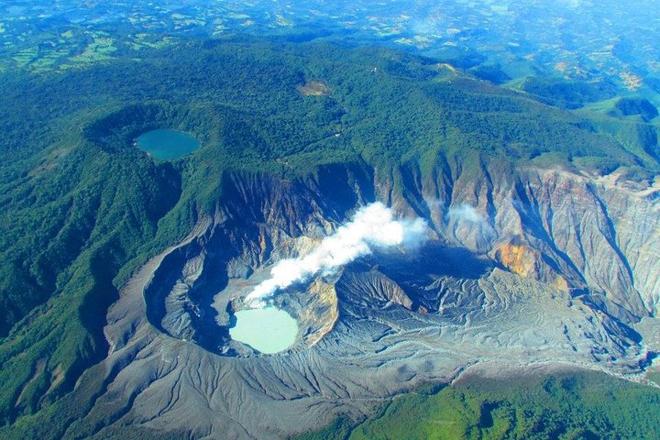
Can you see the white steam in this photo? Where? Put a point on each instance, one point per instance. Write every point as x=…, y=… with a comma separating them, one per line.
x=465, y=212
x=373, y=226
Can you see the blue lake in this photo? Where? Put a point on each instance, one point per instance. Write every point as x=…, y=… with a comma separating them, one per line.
x=166, y=144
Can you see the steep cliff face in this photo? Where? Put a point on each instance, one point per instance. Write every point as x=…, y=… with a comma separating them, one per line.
x=593, y=235
x=524, y=267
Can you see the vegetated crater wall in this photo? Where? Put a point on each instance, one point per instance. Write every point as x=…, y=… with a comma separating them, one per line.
x=119, y=129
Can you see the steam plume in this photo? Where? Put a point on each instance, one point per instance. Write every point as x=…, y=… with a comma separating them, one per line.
x=465, y=212
x=373, y=226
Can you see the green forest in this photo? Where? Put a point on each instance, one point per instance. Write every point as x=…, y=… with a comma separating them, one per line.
x=560, y=405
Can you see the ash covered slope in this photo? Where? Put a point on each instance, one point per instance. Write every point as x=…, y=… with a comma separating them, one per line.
x=505, y=293
x=545, y=234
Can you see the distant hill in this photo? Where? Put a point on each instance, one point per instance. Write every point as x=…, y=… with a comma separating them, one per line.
x=635, y=106
x=568, y=94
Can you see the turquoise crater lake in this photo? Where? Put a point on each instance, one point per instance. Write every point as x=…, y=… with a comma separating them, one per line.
x=166, y=144
x=268, y=330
